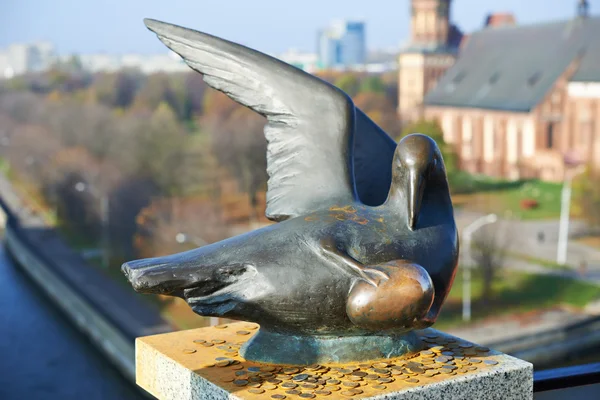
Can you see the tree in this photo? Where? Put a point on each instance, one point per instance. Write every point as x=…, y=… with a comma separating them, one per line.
x=372, y=84
x=349, y=83
x=489, y=250
x=586, y=190
x=378, y=107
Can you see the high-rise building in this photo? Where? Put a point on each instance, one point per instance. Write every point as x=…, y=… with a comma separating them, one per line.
x=342, y=44
x=432, y=49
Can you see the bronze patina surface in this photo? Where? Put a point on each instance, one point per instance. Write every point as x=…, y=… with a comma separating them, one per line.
x=366, y=246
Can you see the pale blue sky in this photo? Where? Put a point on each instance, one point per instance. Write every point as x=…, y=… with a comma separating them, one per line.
x=115, y=26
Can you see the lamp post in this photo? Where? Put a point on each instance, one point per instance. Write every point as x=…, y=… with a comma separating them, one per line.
x=467, y=235
x=104, y=218
x=182, y=238
x=565, y=207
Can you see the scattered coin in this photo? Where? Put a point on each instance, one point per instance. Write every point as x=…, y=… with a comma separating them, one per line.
x=228, y=379
x=199, y=341
x=313, y=367
x=218, y=341
x=290, y=371
x=293, y=391
x=269, y=386
x=222, y=364
x=412, y=380
x=240, y=382
x=490, y=362
x=307, y=395
x=300, y=377
x=379, y=387
x=223, y=347
x=360, y=373
x=189, y=351
x=323, y=392
x=381, y=371
x=385, y=380
x=309, y=386
x=351, y=384
x=278, y=396
x=356, y=391
x=380, y=365
x=475, y=360
x=237, y=366
x=256, y=390
x=311, y=380
x=289, y=385
x=255, y=384
x=274, y=381
x=472, y=368
x=243, y=332
x=220, y=326
x=355, y=378
x=345, y=371
x=240, y=373
x=254, y=369
x=372, y=377
x=267, y=368
x=333, y=382
x=348, y=393
x=207, y=344
x=365, y=366
x=332, y=388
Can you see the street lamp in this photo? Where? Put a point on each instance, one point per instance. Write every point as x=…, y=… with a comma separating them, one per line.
x=467, y=235
x=182, y=238
x=565, y=206
x=104, y=218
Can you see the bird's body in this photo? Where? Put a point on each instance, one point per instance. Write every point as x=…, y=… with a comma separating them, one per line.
x=365, y=243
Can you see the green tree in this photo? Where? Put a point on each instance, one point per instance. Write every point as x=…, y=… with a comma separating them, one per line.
x=372, y=84
x=349, y=83
x=586, y=191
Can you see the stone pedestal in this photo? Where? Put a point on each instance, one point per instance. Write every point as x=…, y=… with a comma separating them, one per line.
x=205, y=364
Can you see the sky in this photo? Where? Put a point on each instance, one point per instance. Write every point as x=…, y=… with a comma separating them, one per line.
x=272, y=26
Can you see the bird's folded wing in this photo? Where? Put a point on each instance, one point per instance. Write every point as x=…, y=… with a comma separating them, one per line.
x=310, y=123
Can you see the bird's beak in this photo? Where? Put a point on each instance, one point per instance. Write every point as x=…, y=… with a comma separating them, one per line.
x=416, y=187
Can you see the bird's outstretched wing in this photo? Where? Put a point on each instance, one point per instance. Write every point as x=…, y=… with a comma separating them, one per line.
x=310, y=122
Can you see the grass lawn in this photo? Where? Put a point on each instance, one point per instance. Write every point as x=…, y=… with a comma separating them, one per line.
x=505, y=198
x=516, y=292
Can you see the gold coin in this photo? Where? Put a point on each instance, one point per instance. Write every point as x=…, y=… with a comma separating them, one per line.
x=307, y=395
x=313, y=367
x=345, y=371
x=412, y=380
x=240, y=382
x=268, y=386
x=289, y=385
x=385, y=380
x=351, y=384
x=348, y=393
x=472, y=368
x=381, y=371
x=278, y=396
x=380, y=365
x=199, y=341
x=333, y=382
x=268, y=369
x=490, y=362
x=355, y=378
x=290, y=371
x=309, y=386
x=427, y=353
x=379, y=387
x=364, y=366
x=274, y=381
x=332, y=388
x=462, y=371
x=207, y=344
x=372, y=377
x=360, y=373
x=323, y=392
x=437, y=349
x=238, y=366
x=356, y=391
x=293, y=391
x=255, y=384
x=311, y=380
x=189, y=351
x=475, y=360
x=220, y=326
x=218, y=341
x=242, y=332
x=256, y=390
x=222, y=364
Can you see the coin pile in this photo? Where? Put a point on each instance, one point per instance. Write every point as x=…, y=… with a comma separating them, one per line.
x=441, y=358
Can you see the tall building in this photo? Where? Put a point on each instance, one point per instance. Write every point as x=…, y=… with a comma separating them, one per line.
x=22, y=58
x=342, y=44
x=432, y=49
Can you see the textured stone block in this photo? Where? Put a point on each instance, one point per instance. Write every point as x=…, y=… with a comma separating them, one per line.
x=204, y=364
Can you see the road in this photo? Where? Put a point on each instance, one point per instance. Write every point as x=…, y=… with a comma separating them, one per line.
x=41, y=355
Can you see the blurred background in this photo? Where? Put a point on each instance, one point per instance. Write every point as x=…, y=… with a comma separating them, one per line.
x=111, y=149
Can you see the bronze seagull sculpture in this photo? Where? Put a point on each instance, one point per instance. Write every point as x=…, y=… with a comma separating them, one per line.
x=366, y=246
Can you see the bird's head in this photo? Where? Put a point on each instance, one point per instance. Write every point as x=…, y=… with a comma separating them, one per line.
x=417, y=164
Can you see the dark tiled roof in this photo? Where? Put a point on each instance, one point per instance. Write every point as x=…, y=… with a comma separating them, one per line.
x=512, y=68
